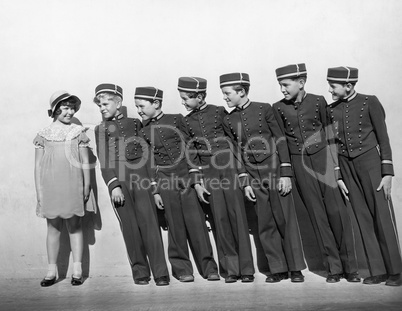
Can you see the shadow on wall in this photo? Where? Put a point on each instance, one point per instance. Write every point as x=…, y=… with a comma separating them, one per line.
x=91, y=221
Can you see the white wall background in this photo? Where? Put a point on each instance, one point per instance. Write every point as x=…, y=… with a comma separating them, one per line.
x=77, y=44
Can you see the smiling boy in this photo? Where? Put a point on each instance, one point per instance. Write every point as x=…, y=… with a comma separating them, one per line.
x=303, y=120
x=366, y=171
x=185, y=217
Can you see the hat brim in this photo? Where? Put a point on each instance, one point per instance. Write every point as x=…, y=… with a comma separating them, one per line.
x=62, y=98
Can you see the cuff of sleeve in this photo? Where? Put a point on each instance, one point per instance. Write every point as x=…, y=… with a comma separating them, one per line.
x=338, y=174
x=113, y=183
x=195, y=176
x=387, y=169
x=243, y=180
x=285, y=170
x=154, y=187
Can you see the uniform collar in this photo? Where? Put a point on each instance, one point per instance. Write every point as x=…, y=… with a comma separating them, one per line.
x=154, y=119
x=202, y=107
x=244, y=106
x=199, y=108
x=157, y=118
x=118, y=117
x=300, y=99
x=350, y=97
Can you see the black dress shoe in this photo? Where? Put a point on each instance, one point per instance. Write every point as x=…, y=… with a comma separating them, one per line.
x=142, y=281
x=77, y=281
x=376, y=279
x=394, y=280
x=296, y=277
x=214, y=276
x=352, y=277
x=333, y=278
x=231, y=279
x=273, y=278
x=47, y=282
x=247, y=278
x=162, y=281
x=284, y=275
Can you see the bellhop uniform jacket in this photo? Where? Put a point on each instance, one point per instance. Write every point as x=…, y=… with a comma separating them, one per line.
x=185, y=217
x=305, y=126
x=124, y=160
x=212, y=153
x=365, y=157
x=255, y=131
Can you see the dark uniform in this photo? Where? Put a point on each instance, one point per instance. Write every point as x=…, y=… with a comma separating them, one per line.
x=304, y=125
x=185, y=217
x=365, y=157
x=253, y=128
x=211, y=147
x=125, y=163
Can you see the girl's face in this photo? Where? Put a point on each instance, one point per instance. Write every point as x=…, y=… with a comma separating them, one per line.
x=65, y=113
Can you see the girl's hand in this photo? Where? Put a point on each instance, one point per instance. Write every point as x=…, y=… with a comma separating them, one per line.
x=200, y=193
x=284, y=185
x=158, y=201
x=386, y=184
x=39, y=199
x=117, y=197
x=86, y=194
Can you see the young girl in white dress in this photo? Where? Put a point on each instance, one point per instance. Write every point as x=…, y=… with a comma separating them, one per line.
x=62, y=180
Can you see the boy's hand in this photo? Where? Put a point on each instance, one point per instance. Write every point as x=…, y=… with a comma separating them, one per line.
x=343, y=188
x=386, y=184
x=200, y=193
x=249, y=193
x=117, y=197
x=159, y=201
x=284, y=185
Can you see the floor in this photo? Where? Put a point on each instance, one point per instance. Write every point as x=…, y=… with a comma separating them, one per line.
x=120, y=293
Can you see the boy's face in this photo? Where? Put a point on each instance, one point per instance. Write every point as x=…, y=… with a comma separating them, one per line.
x=232, y=97
x=338, y=90
x=189, y=103
x=109, y=107
x=146, y=109
x=290, y=88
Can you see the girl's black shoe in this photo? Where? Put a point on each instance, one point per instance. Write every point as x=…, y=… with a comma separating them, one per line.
x=47, y=282
x=77, y=281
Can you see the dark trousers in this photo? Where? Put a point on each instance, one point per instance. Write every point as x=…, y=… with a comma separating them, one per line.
x=139, y=223
x=317, y=186
x=277, y=224
x=374, y=214
x=186, y=223
x=228, y=211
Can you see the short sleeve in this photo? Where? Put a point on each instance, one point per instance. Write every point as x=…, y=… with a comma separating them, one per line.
x=83, y=139
x=39, y=142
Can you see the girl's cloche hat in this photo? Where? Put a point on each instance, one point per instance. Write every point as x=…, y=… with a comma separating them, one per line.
x=58, y=97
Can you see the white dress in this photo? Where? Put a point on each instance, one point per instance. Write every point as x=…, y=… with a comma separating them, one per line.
x=61, y=174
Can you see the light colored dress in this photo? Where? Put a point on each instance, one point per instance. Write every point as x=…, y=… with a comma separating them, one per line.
x=61, y=174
